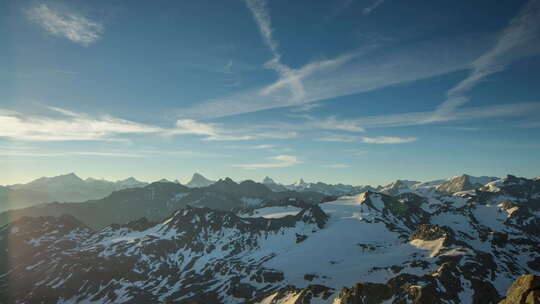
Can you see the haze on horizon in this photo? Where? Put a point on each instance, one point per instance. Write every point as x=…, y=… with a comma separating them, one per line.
x=347, y=91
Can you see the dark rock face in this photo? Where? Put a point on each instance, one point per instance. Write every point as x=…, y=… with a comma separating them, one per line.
x=365, y=293
x=524, y=290
x=313, y=293
x=429, y=232
x=405, y=288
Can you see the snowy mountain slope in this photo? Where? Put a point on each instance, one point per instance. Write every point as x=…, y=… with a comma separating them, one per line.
x=462, y=248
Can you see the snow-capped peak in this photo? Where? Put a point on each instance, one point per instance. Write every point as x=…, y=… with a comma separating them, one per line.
x=268, y=180
x=199, y=181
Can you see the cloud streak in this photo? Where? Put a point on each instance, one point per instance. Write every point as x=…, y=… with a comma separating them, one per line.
x=519, y=39
x=362, y=70
x=11, y=152
x=368, y=10
x=469, y=113
x=337, y=166
x=333, y=123
x=62, y=23
x=279, y=161
x=261, y=15
x=367, y=140
x=388, y=140
x=71, y=127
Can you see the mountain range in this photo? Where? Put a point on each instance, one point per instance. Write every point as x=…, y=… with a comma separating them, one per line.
x=62, y=188
x=229, y=242
x=159, y=199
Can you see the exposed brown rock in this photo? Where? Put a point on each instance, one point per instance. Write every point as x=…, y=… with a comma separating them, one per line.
x=524, y=290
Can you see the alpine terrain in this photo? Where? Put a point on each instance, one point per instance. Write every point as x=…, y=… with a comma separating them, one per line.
x=435, y=242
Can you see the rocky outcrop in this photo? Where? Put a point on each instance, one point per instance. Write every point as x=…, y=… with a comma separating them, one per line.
x=289, y=295
x=365, y=293
x=429, y=232
x=524, y=290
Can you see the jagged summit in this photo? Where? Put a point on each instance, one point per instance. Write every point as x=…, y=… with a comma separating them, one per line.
x=300, y=183
x=164, y=180
x=463, y=183
x=65, y=179
x=268, y=180
x=199, y=181
x=398, y=186
x=272, y=185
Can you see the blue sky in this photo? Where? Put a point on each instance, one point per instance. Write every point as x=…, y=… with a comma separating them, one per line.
x=352, y=91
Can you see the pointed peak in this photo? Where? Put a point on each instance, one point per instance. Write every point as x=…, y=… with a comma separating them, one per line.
x=69, y=176
x=198, y=181
x=164, y=180
x=268, y=180
x=226, y=180
x=301, y=182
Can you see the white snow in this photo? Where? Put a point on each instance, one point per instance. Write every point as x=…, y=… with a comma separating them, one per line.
x=273, y=212
x=336, y=251
x=434, y=247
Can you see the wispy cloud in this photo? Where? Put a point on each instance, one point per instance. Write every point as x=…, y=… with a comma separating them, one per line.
x=14, y=152
x=519, y=39
x=357, y=152
x=261, y=15
x=367, y=140
x=263, y=147
x=72, y=126
x=279, y=161
x=469, y=113
x=337, y=166
x=11, y=152
x=360, y=71
x=214, y=132
x=387, y=140
x=334, y=123
x=209, y=130
x=306, y=107
x=339, y=8
x=66, y=24
x=464, y=128
x=107, y=154
x=368, y=10
x=338, y=138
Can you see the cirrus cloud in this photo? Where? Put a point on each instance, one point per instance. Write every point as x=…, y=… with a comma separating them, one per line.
x=71, y=127
x=66, y=24
x=387, y=140
x=279, y=161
